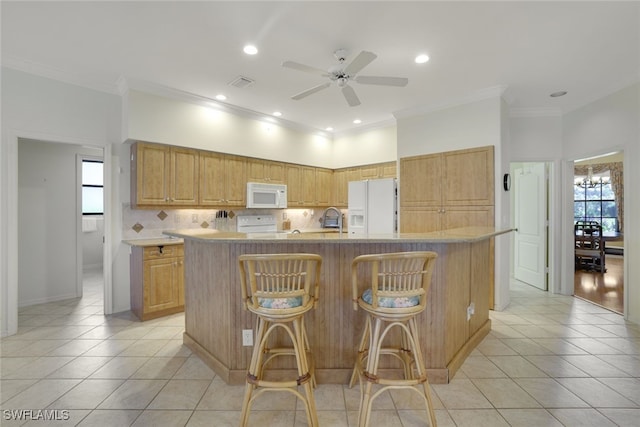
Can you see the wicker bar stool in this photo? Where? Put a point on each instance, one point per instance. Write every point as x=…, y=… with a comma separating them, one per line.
x=280, y=289
x=397, y=287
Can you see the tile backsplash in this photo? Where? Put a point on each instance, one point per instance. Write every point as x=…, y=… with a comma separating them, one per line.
x=150, y=223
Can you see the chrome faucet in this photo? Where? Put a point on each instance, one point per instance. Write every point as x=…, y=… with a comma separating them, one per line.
x=339, y=218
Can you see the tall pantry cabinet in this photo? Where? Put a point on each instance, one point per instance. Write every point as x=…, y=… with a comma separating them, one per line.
x=447, y=190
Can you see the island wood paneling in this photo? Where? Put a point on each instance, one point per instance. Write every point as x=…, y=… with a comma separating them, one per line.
x=215, y=318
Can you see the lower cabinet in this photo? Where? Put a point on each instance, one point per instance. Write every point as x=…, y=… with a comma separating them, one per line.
x=157, y=280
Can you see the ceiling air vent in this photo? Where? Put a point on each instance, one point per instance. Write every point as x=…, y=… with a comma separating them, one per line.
x=241, y=82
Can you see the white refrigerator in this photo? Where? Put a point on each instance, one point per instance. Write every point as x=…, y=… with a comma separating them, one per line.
x=373, y=206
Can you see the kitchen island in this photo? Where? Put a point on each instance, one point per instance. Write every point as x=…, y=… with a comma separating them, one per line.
x=455, y=321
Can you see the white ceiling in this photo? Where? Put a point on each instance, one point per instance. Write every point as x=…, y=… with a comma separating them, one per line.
x=532, y=49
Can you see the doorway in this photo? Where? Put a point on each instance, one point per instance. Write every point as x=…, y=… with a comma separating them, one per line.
x=598, y=198
x=90, y=197
x=50, y=233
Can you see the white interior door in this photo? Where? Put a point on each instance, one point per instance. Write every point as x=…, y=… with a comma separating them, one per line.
x=530, y=241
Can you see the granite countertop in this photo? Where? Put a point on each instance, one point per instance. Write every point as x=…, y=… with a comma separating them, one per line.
x=155, y=241
x=465, y=234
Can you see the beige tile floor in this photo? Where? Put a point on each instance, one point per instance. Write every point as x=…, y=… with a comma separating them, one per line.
x=550, y=360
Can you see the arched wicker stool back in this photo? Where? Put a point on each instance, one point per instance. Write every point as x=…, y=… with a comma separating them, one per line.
x=280, y=289
x=397, y=285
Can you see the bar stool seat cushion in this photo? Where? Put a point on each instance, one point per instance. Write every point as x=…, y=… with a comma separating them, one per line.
x=388, y=302
x=280, y=303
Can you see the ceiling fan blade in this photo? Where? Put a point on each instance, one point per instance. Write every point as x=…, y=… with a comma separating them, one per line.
x=382, y=81
x=305, y=68
x=350, y=96
x=363, y=59
x=311, y=91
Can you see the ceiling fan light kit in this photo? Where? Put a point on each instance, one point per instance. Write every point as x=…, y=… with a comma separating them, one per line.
x=342, y=74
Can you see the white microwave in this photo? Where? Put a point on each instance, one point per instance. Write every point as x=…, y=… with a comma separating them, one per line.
x=266, y=196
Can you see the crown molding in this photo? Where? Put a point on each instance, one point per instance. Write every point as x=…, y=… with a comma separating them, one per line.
x=366, y=128
x=192, y=98
x=479, y=95
x=57, y=74
x=534, y=112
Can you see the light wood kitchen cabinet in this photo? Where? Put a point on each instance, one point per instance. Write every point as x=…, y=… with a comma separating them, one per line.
x=428, y=219
x=301, y=186
x=468, y=177
x=157, y=280
x=163, y=175
x=420, y=181
x=265, y=171
x=340, y=187
x=378, y=171
x=222, y=180
x=447, y=190
x=324, y=186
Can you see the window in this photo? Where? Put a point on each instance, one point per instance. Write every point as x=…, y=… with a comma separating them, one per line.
x=596, y=203
x=92, y=188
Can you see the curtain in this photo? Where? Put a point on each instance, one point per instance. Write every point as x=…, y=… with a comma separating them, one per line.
x=617, y=183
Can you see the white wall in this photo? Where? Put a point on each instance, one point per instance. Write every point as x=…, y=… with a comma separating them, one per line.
x=40, y=108
x=47, y=221
x=366, y=147
x=157, y=119
x=609, y=124
x=536, y=139
x=92, y=245
x=476, y=124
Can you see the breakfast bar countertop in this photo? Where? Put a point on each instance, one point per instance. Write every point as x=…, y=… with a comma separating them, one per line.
x=464, y=234
x=154, y=241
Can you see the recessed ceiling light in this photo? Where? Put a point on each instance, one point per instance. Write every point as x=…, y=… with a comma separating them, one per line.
x=277, y=113
x=221, y=97
x=357, y=121
x=559, y=93
x=250, y=49
x=329, y=129
x=421, y=59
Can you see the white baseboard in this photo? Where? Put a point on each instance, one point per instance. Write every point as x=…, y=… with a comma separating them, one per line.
x=46, y=300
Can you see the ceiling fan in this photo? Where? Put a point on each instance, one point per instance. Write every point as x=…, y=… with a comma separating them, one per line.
x=343, y=73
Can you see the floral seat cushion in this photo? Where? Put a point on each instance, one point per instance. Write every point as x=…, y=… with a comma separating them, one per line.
x=280, y=303
x=387, y=302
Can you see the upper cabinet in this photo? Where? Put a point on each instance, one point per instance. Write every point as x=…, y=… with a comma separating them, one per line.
x=447, y=190
x=379, y=170
x=265, y=171
x=324, y=186
x=308, y=186
x=163, y=175
x=169, y=176
x=222, y=180
x=468, y=177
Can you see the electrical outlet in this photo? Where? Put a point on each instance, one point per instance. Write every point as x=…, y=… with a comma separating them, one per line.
x=247, y=337
x=194, y=218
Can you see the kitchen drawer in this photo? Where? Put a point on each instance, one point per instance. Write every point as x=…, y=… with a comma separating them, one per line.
x=160, y=252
